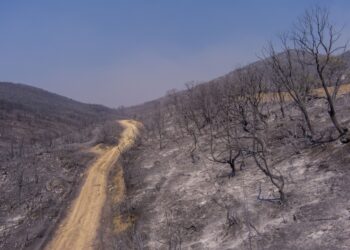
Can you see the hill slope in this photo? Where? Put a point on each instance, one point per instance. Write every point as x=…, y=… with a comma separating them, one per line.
x=42, y=101
x=31, y=114
x=138, y=110
x=44, y=139
x=182, y=198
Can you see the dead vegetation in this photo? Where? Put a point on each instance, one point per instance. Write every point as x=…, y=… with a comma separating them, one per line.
x=268, y=140
x=280, y=125
x=43, y=138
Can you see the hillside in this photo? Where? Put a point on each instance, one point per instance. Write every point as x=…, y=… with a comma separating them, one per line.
x=137, y=110
x=194, y=204
x=220, y=166
x=184, y=189
x=39, y=100
x=29, y=114
x=44, y=142
x=255, y=156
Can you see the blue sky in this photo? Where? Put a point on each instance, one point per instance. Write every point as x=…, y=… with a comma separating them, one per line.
x=127, y=52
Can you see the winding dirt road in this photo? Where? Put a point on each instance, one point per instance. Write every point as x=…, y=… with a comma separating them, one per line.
x=79, y=228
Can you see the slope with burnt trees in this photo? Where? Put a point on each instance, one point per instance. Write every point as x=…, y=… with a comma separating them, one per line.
x=43, y=137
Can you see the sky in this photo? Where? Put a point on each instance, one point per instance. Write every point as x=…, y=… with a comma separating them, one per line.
x=126, y=52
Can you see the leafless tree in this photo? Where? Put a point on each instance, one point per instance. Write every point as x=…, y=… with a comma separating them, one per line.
x=207, y=102
x=241, y=102
x=191, y=107
x=252, y=90
x=175, y=107
x=315, y=35
x=253, y=137
x=289, y=72
x=158, y=123
x=259, y=153
x=224, y=145
x=201, y=104
x=195, y=109
x=19, y=180
x=279, y=96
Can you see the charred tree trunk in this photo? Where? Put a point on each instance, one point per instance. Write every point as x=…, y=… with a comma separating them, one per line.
x=233, y=170
x=307, y=120
x=334, y=118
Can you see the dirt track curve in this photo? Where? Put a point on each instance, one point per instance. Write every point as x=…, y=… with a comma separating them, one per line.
x=78, y=229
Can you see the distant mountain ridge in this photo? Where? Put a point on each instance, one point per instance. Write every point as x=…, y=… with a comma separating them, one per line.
x=39, y=100
x=31, y=113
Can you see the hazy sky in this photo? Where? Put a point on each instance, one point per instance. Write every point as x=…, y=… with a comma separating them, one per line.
x=127, y=52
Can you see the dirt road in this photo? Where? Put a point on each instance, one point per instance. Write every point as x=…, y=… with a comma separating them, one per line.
x=79, y=229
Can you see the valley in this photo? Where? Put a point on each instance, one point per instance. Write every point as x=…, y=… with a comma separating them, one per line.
x=174, y=125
